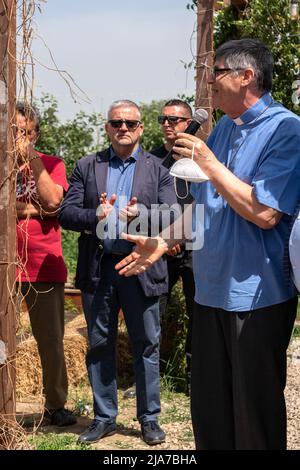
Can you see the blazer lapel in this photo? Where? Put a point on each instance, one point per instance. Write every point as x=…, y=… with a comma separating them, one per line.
x=101, y=168
x=140, y=174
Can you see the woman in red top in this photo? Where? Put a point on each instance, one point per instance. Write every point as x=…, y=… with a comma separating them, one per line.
x=41, y=271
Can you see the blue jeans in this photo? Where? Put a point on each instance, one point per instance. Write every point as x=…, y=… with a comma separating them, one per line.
x=141, y=316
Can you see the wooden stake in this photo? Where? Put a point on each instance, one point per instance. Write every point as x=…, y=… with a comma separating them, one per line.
x=204, y=60
x=7, y=221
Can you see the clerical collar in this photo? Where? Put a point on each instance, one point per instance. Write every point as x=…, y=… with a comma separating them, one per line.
x=255, y=111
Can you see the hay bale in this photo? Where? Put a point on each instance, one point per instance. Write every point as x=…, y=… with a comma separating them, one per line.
x=75, y=346
x=29, y=371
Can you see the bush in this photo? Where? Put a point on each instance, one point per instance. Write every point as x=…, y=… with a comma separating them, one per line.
x=70, y=251
x=172, y=349
x=152, y=136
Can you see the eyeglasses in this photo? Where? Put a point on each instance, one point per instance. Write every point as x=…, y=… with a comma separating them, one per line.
x=130, y=124
x=214, y=71
x=171, y=119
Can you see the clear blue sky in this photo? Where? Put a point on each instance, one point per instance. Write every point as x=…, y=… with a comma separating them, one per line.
x=115, y=49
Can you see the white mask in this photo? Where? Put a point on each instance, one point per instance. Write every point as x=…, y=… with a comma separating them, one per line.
x=188, y=170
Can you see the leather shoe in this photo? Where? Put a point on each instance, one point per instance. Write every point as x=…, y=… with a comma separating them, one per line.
x=60, y=417
x=152, y=433
x=130, y=392
x=96, y=431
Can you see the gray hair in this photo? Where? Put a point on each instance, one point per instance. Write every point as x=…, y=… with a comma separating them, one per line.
x=123, y=103
x=248, y=52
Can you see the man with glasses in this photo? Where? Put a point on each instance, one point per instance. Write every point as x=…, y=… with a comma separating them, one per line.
x=214, y=72
x=120, y=178
x=175, y=117
x=245, y=302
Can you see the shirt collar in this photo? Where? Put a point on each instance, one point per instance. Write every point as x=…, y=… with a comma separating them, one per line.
x=255, y=110
x=134, y=155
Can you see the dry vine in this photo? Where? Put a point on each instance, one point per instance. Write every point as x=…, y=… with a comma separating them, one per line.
x=12, y=435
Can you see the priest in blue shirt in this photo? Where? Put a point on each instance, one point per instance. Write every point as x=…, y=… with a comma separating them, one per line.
x=245, y=301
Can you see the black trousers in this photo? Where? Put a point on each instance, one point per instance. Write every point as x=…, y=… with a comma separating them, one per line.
x=45, y=303
x=239, y=376
x=181, y=267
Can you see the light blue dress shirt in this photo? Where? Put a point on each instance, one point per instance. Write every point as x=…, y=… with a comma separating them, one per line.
x=241, y=267
x=119, y=181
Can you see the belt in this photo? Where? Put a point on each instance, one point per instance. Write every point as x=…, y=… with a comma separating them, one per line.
x=116, y=254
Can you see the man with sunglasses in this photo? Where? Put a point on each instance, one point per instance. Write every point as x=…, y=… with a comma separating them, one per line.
x=175, y=117
x=245, y=302
x=119, y=178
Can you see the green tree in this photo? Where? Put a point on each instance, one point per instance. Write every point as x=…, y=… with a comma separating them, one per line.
x=269, y=21
x=152, y=136
x=70, y=140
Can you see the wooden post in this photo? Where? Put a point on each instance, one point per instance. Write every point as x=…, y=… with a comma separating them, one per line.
x=7, y=221
x=204, y=60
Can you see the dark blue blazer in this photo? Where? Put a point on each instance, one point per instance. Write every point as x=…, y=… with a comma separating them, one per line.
x=151, y=185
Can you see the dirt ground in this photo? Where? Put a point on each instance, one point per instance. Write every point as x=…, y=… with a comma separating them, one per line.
x=175, y=420
x=175, y=417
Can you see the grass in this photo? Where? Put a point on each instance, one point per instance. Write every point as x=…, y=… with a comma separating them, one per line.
x=187, y=436
x=53, y=441
x=123, y=445
x=70, y=306
x=81, y=400
x=176, y=409
x=296, y=331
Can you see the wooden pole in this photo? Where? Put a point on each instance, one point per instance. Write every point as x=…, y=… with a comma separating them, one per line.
x=204, y=60
x=7, y=221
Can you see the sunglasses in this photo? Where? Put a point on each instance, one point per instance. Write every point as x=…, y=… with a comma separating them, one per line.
x=130, y=124
x=214, y=71
x=171, y=119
